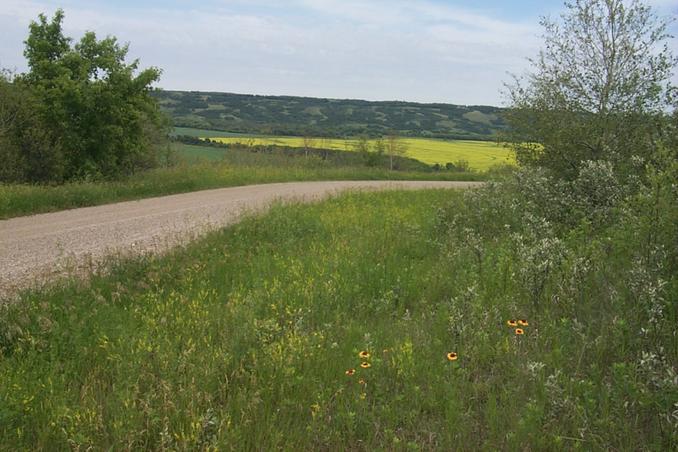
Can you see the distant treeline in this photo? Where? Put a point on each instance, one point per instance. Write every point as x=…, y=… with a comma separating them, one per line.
x=301, y=116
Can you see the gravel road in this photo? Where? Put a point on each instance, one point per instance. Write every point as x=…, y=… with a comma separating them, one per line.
x=37, y=248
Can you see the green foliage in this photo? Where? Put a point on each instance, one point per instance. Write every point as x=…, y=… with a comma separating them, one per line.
x=28, y=150
x=459, y=165
x=96, y=107
x=394, y=147
x=598, y=90
x=598, y=273
x=299, y=116
x=362, y=144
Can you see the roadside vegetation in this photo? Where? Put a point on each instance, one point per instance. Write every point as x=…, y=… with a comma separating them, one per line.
x=200, y=168
x=252, y=336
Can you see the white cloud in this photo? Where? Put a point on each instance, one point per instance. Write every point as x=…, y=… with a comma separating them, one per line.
x=414, y=49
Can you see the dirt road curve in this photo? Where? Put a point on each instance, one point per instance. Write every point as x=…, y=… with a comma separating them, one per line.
x=38, y=247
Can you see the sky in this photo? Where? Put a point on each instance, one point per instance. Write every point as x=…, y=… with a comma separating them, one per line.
x=451, y=51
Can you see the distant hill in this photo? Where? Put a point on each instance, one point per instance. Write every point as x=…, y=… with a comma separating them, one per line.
x=286, y=115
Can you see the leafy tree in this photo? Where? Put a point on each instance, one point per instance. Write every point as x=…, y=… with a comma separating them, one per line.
x=309, y=143
x=97, y=105
x=395, y=147
x=371, y=153
x=599, y=88
x=379, y=146
x=28, y=151
x=361, y=144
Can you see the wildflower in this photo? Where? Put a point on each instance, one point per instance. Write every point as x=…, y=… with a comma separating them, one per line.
x=523, y=322
x=452, y=356
x=512, y=323
x=363, y=396
x=519, y=331
x=350, y=372
x=364, y=354
x=365, y=365
x=362, y=381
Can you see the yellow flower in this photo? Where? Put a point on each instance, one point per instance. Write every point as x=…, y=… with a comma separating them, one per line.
x=350, y=372
x=363, y=396
x=523, y=322
x=519, y=331
x=512, y=323
x=364, y=354
x=365, y=365
x=452, y=356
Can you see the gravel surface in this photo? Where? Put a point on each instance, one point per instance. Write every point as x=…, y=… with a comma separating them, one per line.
x=39, y=248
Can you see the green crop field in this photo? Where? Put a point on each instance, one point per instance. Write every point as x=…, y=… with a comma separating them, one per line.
x=480, y=155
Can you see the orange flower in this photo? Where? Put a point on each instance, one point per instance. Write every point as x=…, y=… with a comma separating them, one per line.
x=364, y=354
x=519, y=331
x=523, y=322
x=452, y=356
x=365, y=365
x=350, y=372
x=512, y=323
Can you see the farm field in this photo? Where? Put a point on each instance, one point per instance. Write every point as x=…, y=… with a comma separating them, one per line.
x=480, y=155
x=364, y=322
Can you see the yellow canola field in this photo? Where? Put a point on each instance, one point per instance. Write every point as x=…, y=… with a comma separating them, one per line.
x=480, y=155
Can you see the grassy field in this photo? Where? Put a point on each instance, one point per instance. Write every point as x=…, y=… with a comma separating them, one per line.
x=358, y=323
x=215, y=169
x=480, y=155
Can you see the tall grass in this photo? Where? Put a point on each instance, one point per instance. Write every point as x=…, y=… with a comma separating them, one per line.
x=246, y=339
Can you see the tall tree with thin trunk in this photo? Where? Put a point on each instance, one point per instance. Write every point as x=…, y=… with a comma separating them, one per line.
x=395, y=147
x=599, y=88
x=309, y=143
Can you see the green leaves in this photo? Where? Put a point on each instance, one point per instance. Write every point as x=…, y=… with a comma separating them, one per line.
x=95, y=103
x=45, y=45
x=598, y=88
